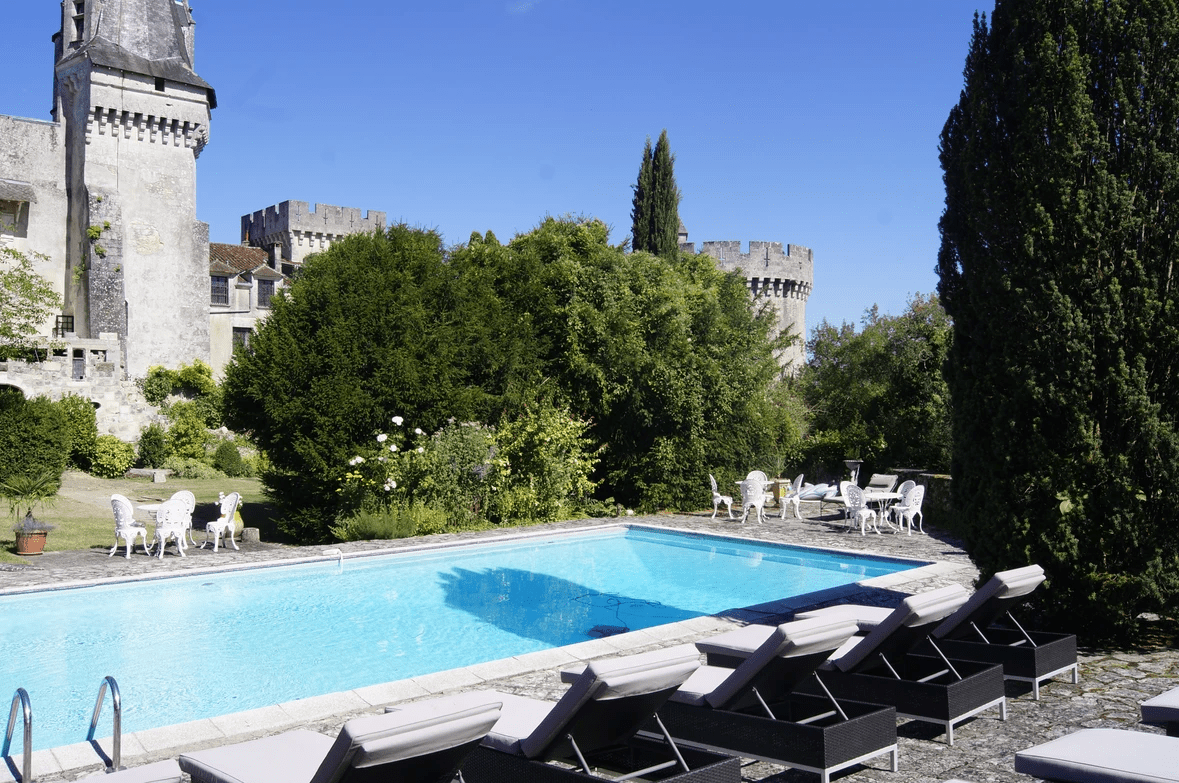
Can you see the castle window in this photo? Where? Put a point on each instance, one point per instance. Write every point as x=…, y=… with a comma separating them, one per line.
x=241, y=337
x=220, y=290
x=265, y=291
x=160, y=84
x=63, y=325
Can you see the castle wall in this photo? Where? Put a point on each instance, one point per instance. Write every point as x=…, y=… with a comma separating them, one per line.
x=301, y=231
x=33, y=202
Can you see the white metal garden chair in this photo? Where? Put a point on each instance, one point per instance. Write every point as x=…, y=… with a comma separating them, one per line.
x=224, y=524
x=718, y=498
x=858, y=512
x=753, y=495
x=793, y=497
x=188, y=501
x=172, y=522
x=910, y=508
x=127, y=527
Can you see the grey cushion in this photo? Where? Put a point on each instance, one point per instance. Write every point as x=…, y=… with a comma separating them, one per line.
x=741, y=642
x=1005, y=585
x=703, y=681
x=789, y=640
x=1104, y=756
x=302, y=756
x=519, y=718
x=866, y=618
x=916, y=611
x=159, y=772
x=1163, y=708
x=614, y=678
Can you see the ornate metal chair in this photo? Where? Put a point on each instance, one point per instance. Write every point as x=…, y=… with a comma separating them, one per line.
x=172, y=522
x=127, y=527
x=188, y=500
x=910, y=508
x=858, y=512
x=224, y=524
x=718, y=498
x=793, y=496
x=753, y=495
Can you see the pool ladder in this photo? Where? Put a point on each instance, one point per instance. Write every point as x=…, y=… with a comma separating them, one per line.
x=20, y=700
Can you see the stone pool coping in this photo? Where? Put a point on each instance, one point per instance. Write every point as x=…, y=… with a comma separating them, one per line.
x=169, y=741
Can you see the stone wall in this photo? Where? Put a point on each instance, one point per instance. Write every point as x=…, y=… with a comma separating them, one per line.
x=301, y=231
x=91, y=369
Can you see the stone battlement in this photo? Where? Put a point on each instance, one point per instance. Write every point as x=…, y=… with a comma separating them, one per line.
x=325, y=219
x=768, y=261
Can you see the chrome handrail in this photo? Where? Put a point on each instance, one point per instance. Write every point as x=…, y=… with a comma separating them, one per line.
x=21, y=697
x=117, y=705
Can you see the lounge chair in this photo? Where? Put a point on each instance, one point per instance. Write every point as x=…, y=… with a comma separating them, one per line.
x=753, y=711
x=596, y=724
x=1103, y=756
x=882, y=668
x=1164, y=711
x=424, y=742
x=1032, y=657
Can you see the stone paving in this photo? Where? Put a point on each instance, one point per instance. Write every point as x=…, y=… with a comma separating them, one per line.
x=1112, y=682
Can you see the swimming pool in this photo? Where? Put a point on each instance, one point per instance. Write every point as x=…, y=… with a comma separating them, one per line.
x=199, y=646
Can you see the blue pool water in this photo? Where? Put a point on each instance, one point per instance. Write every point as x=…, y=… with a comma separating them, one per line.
x=200, y=646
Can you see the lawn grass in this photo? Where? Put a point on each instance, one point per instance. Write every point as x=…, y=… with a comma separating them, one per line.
x=84, y=519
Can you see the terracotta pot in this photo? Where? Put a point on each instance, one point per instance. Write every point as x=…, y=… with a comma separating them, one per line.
x=31, y=543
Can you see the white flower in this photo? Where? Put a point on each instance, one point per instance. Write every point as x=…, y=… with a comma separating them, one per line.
x=630, y=512
x=397, y=420
x=392, y=447
x=418, y=431
x=421, y=450
x=390, y=485
x=382, y=438
x=356, y=460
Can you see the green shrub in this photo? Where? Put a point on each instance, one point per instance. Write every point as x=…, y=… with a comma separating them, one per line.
x=385, y=524
x=455, y=470
x=34, y=436
x=188, y=436
x=158, y=384
x=112, y=457
x=153, y=447
x=186, y=467
x=196, y=379
x=83, y=426
x=228, y=460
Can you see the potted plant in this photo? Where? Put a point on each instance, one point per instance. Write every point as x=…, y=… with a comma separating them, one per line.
x=27, y=492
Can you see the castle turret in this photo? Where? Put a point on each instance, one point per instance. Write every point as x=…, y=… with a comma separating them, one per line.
x=291, y=231
x=136, y=116
x=782, y=276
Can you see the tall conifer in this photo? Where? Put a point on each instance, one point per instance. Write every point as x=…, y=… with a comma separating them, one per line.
x=1060, y=237
x=655, y=213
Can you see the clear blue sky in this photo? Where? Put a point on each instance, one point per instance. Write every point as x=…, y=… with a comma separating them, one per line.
x=792, y=121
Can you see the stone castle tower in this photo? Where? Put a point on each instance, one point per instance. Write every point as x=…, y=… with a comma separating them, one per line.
x=782, y=276
x=135, y=116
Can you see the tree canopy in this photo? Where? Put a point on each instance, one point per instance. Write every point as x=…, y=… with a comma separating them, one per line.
x=878, y=394
x=665, y=358
x=1059, y=242
x=655, y=217
x=26, y=300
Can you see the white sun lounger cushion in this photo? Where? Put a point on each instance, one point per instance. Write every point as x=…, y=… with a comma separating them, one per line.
x=717, y=686
x=308, y=757
x=915, y=611
x=528, y=726
x=159, y=772
x=1104, y=756
x=866, y=618
x=1003, y=585
x=1163, y=708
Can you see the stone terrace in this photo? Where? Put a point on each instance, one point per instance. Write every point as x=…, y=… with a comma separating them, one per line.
x=1112, y=683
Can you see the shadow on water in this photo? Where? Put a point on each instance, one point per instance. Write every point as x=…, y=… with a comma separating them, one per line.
x=550, y=609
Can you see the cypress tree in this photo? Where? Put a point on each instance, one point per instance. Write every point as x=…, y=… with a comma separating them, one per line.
x=655, y=213
x=1059, y=240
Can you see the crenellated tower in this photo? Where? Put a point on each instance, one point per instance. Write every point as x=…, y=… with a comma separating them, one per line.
x=136, y=117
x=783, y=276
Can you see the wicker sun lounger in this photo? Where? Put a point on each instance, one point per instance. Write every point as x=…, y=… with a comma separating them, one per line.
x=595, y=726
x=424, y=742
x=882, y=669
x=159, y=772
x=1026, y=656
x=1103, y=756
x=1163, y=710
x=753, y=711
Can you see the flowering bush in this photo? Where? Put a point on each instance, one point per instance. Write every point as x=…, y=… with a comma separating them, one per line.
x=381, y=477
